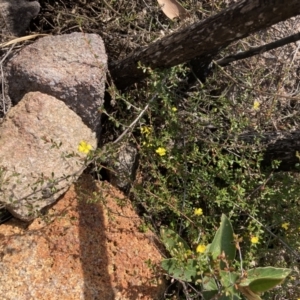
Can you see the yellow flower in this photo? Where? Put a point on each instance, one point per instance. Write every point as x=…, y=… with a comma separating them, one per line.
x=174, y=109
x=198, y=212
x=146, y=130
x=161, y=151
x=84, y=147
x=256, y=105
x=200, y=248
x=254, y=239
x=285, y=226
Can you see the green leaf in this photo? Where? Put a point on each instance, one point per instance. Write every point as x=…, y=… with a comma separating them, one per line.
x=172, y=240
x=224, y=240
x=207, y=295
x=209, y=288
x=250, y=295
x=228, y=280
x=178, y=270
x=209, y=284
x=261, y=280
x=263, y=285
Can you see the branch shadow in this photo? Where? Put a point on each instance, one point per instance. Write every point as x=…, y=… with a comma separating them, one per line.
x=113, y=252
x=93, y=252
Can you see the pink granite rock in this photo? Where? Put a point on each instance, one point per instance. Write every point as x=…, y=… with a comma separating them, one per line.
x=88, y=247
x=39, y=157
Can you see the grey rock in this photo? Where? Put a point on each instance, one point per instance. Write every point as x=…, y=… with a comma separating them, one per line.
x=16, y=15
x=124, y=164
x=39, y=157
x=70, y=67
